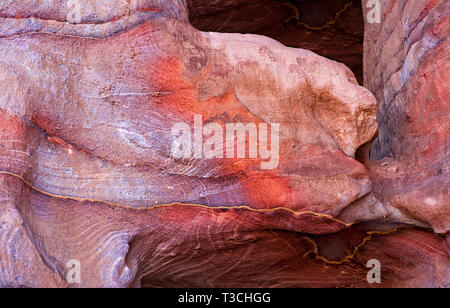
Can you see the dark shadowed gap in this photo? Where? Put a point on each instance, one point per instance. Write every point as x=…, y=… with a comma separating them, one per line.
x=331, y=28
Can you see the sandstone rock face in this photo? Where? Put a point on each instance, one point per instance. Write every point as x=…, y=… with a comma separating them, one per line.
x=91, y=95
x=330, y=28
x=407, y=68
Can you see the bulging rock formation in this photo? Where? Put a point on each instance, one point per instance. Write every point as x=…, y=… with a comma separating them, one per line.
x=95, y=96
x=331, y=28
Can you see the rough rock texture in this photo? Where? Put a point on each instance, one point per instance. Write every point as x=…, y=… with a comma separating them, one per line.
x=86, y=171
x=93, y=18
x=407, y=67
x=331, y=28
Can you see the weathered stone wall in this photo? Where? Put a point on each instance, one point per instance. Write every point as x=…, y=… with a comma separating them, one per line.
x=407, y=67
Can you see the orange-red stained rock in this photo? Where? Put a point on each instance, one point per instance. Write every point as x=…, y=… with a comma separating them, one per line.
x=87, y=173
x=407, y=67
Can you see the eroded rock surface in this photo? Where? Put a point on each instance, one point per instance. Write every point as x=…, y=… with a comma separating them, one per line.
x=87, y=172
x=121, y=109
x=407, y=68
x=330, y=28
